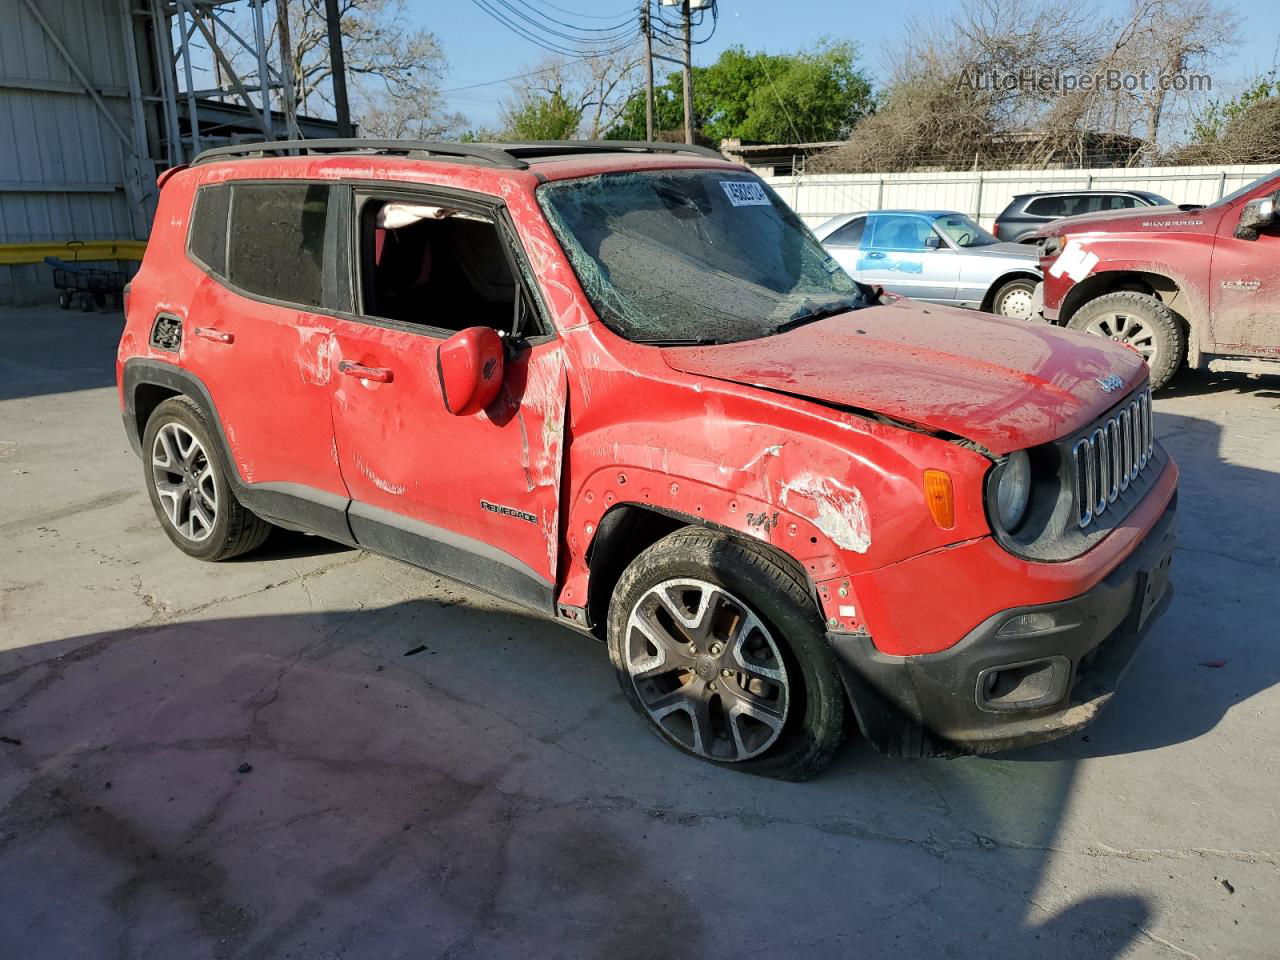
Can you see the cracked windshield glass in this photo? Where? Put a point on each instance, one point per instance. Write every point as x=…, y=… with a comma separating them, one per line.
x=694, y=256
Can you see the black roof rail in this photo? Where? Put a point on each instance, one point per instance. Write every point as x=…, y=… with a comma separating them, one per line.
x=508, y=155
x=492, y=154
x=556, y=148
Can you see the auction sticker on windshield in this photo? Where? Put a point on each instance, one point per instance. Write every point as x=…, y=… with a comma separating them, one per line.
x=745, y=193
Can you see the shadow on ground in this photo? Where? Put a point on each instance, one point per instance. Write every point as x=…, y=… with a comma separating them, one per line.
x=478, y=798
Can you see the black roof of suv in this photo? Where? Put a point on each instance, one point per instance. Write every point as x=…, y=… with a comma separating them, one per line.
x=1024, y=215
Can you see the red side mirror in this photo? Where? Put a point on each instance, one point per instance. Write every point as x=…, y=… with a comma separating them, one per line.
x=470, y=368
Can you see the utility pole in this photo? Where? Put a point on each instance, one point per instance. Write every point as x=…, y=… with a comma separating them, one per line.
x=688, y=74
x=286, y=70
x=647, y=27
x=338, y=69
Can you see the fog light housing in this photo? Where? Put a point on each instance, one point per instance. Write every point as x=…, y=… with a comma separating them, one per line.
x=1029, y=685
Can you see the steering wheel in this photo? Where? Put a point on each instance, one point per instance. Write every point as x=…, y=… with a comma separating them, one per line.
x=963, y=239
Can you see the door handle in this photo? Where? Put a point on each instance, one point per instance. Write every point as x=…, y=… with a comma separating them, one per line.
x=218, y=336
x=359, y=370
x=872, y=255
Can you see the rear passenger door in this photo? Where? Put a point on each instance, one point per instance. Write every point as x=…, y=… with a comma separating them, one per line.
x=843, y=244
x=254, y=338
x=472, y=497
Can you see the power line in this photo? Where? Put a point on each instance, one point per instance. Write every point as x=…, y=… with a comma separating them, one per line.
x=617, y=22
x=553, y=45
x=613, y=35
x=588, y=16
x=518, y=76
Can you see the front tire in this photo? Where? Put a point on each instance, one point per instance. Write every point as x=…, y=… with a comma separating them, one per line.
x=719, y=646
x=187, y=483
x=1140, y=321
x=1015, y=299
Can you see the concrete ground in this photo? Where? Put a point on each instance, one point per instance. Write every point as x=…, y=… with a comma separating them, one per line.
x=493, y=795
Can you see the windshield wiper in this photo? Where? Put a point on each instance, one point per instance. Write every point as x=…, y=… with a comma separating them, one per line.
x=679, y=341
x=810, y=312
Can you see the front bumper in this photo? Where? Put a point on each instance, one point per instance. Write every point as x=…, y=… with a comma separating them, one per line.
x=1037, y=302
x=1023, y=676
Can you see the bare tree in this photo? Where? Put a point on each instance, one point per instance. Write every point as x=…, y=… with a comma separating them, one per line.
x=1173, y=38
x=394, y=69
x=1038, y=82
x=596, y=87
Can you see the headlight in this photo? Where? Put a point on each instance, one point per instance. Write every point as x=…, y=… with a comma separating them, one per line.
x=1013, y=491
x=1049, y=246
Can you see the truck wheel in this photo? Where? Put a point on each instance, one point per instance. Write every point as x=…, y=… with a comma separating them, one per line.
x=1014, y=299
x=187, y=482
x=1139, y=321
x=749, y=684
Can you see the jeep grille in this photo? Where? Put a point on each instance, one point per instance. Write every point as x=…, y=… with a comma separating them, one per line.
x=1111, y=455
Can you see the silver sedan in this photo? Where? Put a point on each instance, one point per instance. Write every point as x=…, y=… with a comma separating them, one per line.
x=937, y=255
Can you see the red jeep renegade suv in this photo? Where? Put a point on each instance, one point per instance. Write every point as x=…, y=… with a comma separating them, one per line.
x=622, y=385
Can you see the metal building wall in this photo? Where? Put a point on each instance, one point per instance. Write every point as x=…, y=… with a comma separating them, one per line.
x=67, y=171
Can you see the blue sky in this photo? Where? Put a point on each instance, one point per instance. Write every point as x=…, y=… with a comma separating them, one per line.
x=481, y=50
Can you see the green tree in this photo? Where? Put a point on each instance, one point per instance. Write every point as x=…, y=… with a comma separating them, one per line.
x=780, y=98
x=1210, y=125
x=542, y=117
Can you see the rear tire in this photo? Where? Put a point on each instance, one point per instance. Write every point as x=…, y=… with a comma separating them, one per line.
x=1140, y=321
x=186, y=480
x=745, y=678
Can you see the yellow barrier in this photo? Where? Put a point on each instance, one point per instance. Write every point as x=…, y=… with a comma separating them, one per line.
x=92, y=251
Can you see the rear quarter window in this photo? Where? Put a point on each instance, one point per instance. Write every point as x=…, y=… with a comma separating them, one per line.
x=207, y=242
x=850, y=235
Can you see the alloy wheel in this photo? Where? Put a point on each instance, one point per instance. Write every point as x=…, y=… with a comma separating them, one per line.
x=1129, y=329
x=707, y=670
x=183, y=478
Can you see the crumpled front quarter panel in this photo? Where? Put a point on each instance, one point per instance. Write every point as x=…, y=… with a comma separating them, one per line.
x=838, y=493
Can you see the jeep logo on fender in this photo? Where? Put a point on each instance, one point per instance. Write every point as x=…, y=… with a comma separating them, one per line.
x=507, y=511
x=1110, y=383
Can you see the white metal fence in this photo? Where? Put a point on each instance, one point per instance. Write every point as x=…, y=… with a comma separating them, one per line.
x=818, y=197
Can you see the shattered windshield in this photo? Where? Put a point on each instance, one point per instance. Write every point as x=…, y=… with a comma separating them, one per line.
x=694, y=256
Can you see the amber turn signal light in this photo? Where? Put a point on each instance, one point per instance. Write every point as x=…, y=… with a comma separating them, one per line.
x=937, y=491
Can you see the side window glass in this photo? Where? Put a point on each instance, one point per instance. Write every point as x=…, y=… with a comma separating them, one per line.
x=1046, y=207
x=850, y=235
x=435, y=266
x=276, y=240
x=899, y=233
x=207, y=241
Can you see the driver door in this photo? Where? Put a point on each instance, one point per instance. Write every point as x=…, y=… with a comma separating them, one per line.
x=904, y=254
x=475, y=498
x=1244, y=295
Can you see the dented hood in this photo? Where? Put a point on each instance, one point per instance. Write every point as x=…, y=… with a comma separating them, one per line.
x=1006, y=384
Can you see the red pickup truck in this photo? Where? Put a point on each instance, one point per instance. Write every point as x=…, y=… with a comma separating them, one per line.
x=1184, y=284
